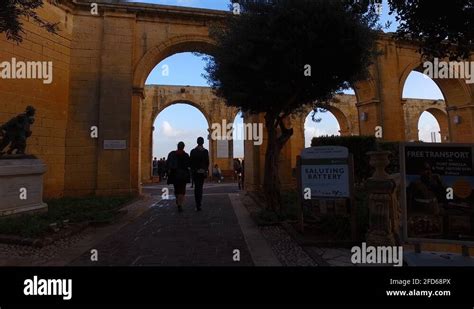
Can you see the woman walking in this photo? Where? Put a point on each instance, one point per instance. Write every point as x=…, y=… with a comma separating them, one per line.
x=179, y=174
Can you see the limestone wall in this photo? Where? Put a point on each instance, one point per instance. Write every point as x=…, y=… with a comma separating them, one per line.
x=100, y=66
x=51, y=100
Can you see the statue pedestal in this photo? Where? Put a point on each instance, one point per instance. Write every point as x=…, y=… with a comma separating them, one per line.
x=21, y=185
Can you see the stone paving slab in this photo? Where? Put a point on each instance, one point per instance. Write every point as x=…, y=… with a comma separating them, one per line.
x=164, y=237
x=262, y=253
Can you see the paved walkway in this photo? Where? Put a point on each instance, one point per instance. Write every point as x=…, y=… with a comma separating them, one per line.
x=164, y=237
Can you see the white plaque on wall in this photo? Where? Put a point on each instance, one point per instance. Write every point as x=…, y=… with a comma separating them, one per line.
x=115, y=144
x=222, y=149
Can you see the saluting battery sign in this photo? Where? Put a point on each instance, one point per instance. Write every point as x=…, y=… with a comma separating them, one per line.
x=325, y=171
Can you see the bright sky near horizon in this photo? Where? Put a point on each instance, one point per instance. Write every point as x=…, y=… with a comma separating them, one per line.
x=186, y=123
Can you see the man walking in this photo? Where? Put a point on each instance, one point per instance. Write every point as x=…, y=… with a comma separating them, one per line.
x=179, y=164
x=200, y=168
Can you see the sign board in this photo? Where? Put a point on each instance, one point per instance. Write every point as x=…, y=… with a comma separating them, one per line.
x=438, y=192
x=222, y=149
x=329, y=174
x=115, y=144
x=326, y=172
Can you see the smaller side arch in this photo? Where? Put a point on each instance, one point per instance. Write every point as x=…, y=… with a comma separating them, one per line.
x=192, y=103
x=443, y=122
x=342, y=120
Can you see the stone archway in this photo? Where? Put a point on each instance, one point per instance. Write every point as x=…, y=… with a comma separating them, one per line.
x=158, y=98
x=147, y=138
x=101, y=64
x=174, y=45
x=458, y=102
x=442, y=119
x=414, y=108
x=143, y=68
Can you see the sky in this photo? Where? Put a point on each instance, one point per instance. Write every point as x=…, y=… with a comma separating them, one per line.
x=184, y=122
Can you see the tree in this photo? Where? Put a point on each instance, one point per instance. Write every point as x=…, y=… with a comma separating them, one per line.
x=11, y=13
x=443, y=30
x=277, y=56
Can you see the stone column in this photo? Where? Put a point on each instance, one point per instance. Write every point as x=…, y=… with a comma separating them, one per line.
x=369, y=116
x=461, y=122
x=390, y=89
x=381, y=202
x=135, y=141
x=254, y=157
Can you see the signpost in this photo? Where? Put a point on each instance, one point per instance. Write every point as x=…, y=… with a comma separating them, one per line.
x=438, y=192
x=115, y=144
x=326, y=173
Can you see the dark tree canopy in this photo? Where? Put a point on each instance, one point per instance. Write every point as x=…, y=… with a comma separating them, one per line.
x=444, y=29
x=279, y=55
x=261, y=54
x=11, y=12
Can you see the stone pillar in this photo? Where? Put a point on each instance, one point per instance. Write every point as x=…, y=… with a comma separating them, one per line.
x=381, y=202
x=369, y=117
x=118, y=170
x=212, y=151
x=254, y=162
x=21, y=185
x=461, y=122
x=298, y=139
x=390, y=90
x=135, y=141
x=147, y=128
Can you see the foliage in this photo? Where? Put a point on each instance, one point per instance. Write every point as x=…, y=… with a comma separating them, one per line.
x=260, y=59
x=76, y=210
x=443, y=29
x=11, y=13
x=280, y=55
x=289, y=210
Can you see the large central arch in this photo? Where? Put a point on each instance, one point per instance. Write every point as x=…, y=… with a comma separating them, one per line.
x=174, y=45
x=143, y=68
x=158, y=98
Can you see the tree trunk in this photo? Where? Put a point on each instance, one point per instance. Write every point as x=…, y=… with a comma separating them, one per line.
x=271, y=181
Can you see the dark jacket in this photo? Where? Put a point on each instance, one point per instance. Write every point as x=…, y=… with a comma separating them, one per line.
x=200, y=161
x=178, y=164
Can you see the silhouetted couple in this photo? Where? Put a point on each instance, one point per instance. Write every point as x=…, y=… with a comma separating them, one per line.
x=182, y=167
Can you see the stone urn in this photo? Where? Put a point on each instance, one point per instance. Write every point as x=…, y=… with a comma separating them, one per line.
x=381, y=188
x=379, y=160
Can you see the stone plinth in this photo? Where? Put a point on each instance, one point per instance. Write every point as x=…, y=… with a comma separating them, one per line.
x=381, y=190
x=21, y=185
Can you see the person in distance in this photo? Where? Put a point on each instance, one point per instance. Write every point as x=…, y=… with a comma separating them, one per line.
x=199, y=168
